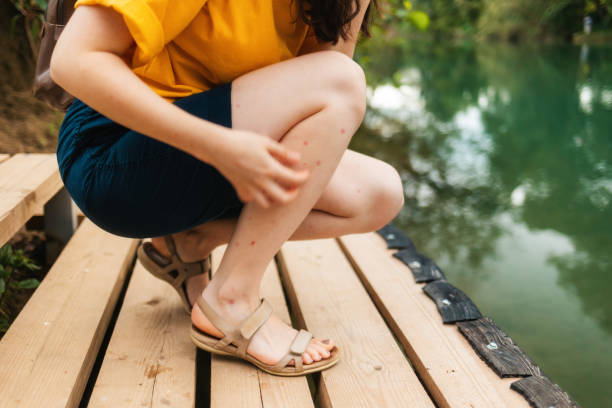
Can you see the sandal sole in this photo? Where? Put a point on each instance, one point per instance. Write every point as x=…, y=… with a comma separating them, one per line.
x=198, y=337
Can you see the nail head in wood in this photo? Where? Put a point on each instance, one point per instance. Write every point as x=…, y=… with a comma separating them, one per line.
x=497, y=349
x=452, y=303
x=395, y=238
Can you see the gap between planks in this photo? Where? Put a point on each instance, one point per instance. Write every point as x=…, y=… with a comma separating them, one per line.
x=54, y=341
x=328, y=298
x=150, y=361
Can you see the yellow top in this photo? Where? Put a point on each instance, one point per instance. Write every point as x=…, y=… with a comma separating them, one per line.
x=188, y=46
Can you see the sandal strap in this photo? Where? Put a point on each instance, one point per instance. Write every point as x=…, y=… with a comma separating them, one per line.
x=251, y=324
x=257, y=319
x=172, y=248
x=185, y=270
x=229, y=332
x=298, y=347
x=241, y=337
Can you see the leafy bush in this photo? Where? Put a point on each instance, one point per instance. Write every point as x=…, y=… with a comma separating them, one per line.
x=32, y=12
x=13, y=263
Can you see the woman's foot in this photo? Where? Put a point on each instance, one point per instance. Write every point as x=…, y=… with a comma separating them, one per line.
x=270, y=343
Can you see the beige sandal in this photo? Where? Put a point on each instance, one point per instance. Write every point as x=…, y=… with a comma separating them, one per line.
x=174, y=271
x=235, y=342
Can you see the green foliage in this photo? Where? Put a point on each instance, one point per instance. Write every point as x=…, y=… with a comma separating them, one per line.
x=400, y=14
x=11, y=263
x=32, y=12
x=498, y=19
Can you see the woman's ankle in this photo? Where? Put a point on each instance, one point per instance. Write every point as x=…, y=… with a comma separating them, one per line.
x=229, y=295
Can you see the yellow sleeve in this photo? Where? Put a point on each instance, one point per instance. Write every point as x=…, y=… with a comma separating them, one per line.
x=152, y=23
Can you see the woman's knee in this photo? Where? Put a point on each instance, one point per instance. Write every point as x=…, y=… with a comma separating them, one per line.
x=346, y=83
x=386, y=198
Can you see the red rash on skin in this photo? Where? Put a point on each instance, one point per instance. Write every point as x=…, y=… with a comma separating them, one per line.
x=305, y=142
x=237, y=244
x=252, y=242
x=237, y=105
x=342, y=130
x=318, y=162
x=231, y=301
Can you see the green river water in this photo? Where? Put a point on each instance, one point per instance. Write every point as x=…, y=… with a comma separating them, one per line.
x=506, y=157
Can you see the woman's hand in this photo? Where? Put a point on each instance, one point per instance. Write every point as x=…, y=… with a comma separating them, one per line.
x=259, y=168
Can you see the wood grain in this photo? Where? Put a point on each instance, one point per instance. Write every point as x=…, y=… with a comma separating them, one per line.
x=423, y=269
x=256, y=388
x=452, y=303
x=27, y=182
x=47, y=354
x=497, y=349
x=541, y=392
x=329, y=300
x=150, y=361
x=454, y=375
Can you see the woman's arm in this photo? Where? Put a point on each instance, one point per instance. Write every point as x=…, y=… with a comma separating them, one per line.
x=89, y=61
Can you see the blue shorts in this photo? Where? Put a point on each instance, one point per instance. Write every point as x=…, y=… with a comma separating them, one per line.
x=135, y=186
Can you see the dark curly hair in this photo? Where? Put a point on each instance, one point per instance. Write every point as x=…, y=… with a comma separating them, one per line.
x=330, y=18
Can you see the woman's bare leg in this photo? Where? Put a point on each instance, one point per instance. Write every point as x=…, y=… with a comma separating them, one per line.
x=318, y=123
x=363, y=195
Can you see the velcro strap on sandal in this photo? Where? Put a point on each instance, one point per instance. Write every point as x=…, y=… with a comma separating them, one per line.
x=256, y=319
x=301, y=342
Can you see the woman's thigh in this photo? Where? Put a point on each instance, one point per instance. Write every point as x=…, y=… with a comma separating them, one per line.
x=363, y=188
x=273, y=99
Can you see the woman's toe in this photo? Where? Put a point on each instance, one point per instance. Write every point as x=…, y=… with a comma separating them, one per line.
x=306, y=359
x=321, y=350
x=327, y=344
x=314, y=353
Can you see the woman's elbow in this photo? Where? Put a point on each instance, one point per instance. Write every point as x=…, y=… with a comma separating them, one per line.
x=59, y=64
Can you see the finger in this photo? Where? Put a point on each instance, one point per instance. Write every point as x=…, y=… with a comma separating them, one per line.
x=284, y=154
x=289, y=177
x=244, y=195
x=260, y=198
x=277, y=193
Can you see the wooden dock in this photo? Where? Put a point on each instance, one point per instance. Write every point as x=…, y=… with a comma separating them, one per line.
x=100, y=331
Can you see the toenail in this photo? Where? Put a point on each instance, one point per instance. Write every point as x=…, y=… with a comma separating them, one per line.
x=326, y=341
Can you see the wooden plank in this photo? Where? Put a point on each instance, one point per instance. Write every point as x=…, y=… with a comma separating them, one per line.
x=423, y=269
x=541, y=392
x=3, y=157
x=150, y=360
x=329, y=300
x=48, y=352
x=452, y=303
x=454, y=375
x=395, y=238
x=497, y=349
x=256, y=388
x=27, y=182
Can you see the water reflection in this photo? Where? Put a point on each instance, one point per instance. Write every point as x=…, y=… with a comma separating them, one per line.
x=496, y=143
